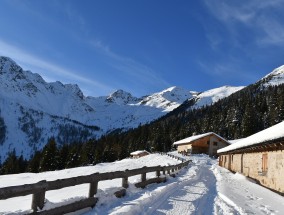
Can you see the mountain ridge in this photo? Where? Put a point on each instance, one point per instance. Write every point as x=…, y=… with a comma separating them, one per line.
x=42, y=109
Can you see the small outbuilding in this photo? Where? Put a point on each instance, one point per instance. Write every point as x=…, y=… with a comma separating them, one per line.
x=138, y=154
x=207, y=143
x=259, y=156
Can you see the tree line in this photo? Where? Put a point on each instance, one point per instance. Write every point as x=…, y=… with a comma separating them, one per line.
x=242, y=114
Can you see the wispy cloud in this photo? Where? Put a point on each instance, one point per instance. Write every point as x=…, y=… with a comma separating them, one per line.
x=258, y=16
x=138, y=71
x=274, y=32
x=135, y=73
x=227, y=70
x=49, y=70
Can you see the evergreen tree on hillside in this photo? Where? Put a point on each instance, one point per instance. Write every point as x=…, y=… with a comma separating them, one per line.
x=74, y=156
x=63, y=156
x=2, y=130
x=13, y=164
x=242, y=114
x=50, y=159
x=34, y=162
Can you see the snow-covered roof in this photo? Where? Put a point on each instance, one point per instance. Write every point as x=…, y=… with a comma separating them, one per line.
x=138, y=152
x=196, y=137
x=235, y=141
x=272, y=133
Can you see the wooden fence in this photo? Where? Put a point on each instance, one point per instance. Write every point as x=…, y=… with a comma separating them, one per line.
x=176, y=157
x=39, y=189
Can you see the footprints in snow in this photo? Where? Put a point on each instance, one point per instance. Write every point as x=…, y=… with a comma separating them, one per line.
x=263, y=208
x=253, y=198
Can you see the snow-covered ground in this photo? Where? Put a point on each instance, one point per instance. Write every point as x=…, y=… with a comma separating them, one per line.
x=202, y=188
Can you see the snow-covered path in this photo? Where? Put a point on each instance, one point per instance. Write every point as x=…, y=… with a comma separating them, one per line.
x=193, y=192
x=203, y=188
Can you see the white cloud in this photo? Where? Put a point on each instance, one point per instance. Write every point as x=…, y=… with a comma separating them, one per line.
x=274, y=32
x=229, y=70
x=139, y=72
x=48, y=70
x=257, y=16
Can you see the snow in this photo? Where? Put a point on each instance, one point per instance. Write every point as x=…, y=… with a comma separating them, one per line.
x=211, y=96
x=235, y=141
x=196, y=137
x=201, y=188
x=272, y=133
x=168, y=99
x=68, y=194
x=138, y=152
x=276, y=77
x=23, y=93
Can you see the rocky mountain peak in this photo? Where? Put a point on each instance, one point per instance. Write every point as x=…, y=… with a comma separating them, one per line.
x=75, y=89
x=8, y=66
x=276, y=77
x=33, y=109
x=121, y=97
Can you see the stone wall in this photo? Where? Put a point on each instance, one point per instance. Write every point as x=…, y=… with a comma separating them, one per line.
x=253, y=165
x=220, y=144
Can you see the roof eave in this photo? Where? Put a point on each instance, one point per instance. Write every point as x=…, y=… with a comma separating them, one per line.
x=269, y=145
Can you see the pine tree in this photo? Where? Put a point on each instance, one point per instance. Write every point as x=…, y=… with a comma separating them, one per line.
x=49, y=160
x=63, y=156
x=13, y=164
x=34, y=162
x=73, y=159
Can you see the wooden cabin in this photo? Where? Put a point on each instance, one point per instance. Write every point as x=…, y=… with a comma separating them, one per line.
x=138, y=154
x=259, y=156
x=207, y=143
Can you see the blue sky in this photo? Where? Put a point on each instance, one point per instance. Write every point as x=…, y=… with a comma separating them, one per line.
x=144, y=46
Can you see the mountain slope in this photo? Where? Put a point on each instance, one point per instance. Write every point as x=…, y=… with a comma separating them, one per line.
x=276, y=77
x=243, y=113
x=211, y=96
x=122, y=110
x=32, y=110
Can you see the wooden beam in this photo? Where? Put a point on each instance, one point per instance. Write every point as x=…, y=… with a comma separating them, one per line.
x=21, y=190
x=75, y=206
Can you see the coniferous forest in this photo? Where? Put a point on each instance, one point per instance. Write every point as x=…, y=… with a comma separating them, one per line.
x=242, y=114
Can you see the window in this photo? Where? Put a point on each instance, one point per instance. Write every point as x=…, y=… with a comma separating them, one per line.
x=215, y=143
x=232, y=158
x=208, y=142
x=264, y=163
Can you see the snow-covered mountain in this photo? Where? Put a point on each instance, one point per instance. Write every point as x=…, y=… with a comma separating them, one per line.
x=32, y=110
x=276, y=77
x=168, y=99
x=211, y=96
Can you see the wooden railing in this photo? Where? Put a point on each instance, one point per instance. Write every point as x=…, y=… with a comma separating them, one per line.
x=177, y=157
x=39, y=189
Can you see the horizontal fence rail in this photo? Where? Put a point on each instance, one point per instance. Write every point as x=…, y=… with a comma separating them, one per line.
x=39, y=189
x=174, y=156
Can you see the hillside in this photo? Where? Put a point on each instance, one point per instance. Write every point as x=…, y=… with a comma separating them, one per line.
x=32, y=110
x=239, y=115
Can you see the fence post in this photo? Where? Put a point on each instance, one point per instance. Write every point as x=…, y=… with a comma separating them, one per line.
x=158, y=172
x=125, y=180
x=164, y=171
x=93, y=188
x=143, y=175
x=38, y=197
